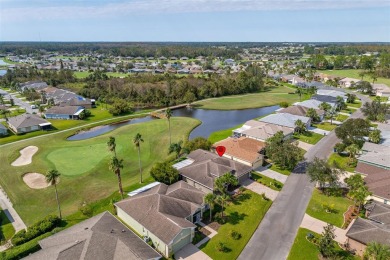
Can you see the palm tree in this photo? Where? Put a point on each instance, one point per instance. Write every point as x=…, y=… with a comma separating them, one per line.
x=375, y=136
x=332, y=113
x=376, y=251
x=222, y=200
x=222, y=183
x=112, y=145
x=115, y=165
x=210, y=200
x=52, y=179
x=176, y=148
x=300, y=127
x=137, y=140
x=340, y=103
x=299, y=91
x=168, y=115
x=312, y=113
x=353, y=149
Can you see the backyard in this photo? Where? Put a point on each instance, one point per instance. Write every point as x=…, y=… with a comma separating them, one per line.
x=243, y=215
x=84, y=165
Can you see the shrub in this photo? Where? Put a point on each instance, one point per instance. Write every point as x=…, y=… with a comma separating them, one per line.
x=221, y=247
x=86, y=210
x=264, y=196
x=283, y=104
x=218, y=217
x=235, y=235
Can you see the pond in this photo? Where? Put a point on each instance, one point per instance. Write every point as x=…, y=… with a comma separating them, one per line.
x=212, y=120
x=2, y=72
x=3, y=63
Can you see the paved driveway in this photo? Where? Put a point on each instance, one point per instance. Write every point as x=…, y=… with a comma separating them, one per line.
x=259, y=189
x=304, y=146
x=318, y=131
x=191, y=252
x=272, y=174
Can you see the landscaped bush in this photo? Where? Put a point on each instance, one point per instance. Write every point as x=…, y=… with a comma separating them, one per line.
x=235, y=235
x=221, y=247
x=39, y=228
x=218, y=217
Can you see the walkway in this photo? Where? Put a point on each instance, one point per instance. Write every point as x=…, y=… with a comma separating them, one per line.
x=317, y=226
x=10, y=212
x=259, y=189
x=210, y=236
x=304, y=146
x=191, y=252
x=272, y=174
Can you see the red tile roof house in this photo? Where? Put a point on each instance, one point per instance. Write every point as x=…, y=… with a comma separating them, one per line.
x=244, y=150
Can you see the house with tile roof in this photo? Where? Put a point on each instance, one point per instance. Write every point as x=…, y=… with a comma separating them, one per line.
x=164, y=214
x=26, y=123
x=102, y=237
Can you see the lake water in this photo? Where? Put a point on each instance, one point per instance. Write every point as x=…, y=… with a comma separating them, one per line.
x=2, y=63
x=212, y=120
x=2, y=72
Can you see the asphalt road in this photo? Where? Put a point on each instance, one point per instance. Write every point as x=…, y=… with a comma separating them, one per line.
x=19, y=102
x=276, y=233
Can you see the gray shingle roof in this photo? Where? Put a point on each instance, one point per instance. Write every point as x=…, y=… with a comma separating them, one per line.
x=324, y=98
x=26, y=120
x=63, y=110
x=299, y=110
x=366, y=231
x=101, y=237
x=311, y=103
x=284, y=119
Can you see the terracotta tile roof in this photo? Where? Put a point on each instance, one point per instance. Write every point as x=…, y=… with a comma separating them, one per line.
x=243, y=148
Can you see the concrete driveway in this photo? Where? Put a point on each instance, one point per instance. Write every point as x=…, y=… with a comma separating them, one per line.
x=318, y=131
x=272, y=174
x=259, y=189
x=191, y=252
x=304, y=146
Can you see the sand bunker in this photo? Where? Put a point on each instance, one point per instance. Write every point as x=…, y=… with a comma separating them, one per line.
x=35, y=180
x=26, y=155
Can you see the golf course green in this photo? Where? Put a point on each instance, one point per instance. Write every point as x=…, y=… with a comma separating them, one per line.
x=83, y=165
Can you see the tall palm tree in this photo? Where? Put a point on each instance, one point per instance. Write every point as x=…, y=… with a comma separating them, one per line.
x=299, y=91
x=210, y=200
x=332, y=113
x=168, y=115
x=111, y=145
x=52, y=179
x=376, y=251
x=137, y=140
x=353, y=149
x=300, y=127
x=222, y=200
x=115, y=165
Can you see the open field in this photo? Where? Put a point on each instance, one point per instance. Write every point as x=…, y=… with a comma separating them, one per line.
x=316, y=208
x=269, y=98
x=84, y=165
x=84, y=74
x=355, y=74
x=243, y=215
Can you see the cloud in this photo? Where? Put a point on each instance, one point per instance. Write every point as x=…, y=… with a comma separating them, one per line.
x=76, y=9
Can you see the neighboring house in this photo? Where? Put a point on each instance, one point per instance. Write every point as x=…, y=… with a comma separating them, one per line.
x=3, y=130
x=284, y=119
x=230, y=62
x=26, y=123
x=102, y=237
x=301, y=111
x=376, y=155
x=262, y=131
x=165, y=215
x=375, y=228
x=385, y=133
x=315, y=84
x=332, y=93
x=381, y=90
x=323, y=98
x=311, y=103
x=204, y=167
x=79, y=101
x=64, y=112
x=348, y=82
x=37, y=85
x=244, y=150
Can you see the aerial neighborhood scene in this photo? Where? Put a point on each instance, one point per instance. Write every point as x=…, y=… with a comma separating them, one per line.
x=195, y=130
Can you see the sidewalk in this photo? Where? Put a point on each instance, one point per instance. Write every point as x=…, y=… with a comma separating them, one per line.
x=10, y=212
x=317, y=226
x=272, y=174
x=212, y=234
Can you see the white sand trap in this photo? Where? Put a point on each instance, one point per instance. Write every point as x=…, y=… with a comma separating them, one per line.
x=35, y=180
x=26, y=155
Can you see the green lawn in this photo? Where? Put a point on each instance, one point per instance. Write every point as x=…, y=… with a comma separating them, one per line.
x=222, y=134
x=269, y=98
x=84, y=74
x=342, y=160
x=84, y=165
x=383, y=99
x=351, y=73
x=244, y=215
x=316, y=209
x=275, y=168
x=308, y=137
x=341, y=117
x=355, y=105
x=6, y=228
x=271, y=183
x=325, y=126
x=348, y=110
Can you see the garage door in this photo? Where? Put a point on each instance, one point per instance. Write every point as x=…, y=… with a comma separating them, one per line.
x=244, y=177
x=181, y=243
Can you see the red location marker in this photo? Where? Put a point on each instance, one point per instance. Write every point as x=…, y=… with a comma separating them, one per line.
x=220, y=150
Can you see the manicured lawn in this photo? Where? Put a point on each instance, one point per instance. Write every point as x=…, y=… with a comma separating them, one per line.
x=275, y=168
x=6, y=228
x=341, y=117
x=302, y=248
x=222, y=134
x=308, y=137
x=325, y=126
x=84, y=74
x=316, y=209
x=271, y=183
x=244, y=215
x=351, y=73
x=342, y=160
x=84, y=165
x=383, y=99
x=348, y=110
x=355, y=105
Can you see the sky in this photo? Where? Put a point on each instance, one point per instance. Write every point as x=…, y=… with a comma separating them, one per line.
x=196, y=20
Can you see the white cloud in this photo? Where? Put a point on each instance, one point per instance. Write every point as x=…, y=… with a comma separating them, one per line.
x=77, y=9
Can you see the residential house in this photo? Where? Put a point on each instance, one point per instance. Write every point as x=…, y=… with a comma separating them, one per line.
x=244, y=150
x=348, y=82
x=102, y=237
x=374, y=228
x=311, y=103
x=284, y=119
x=385, y=133
x=79, y=101
x=230, y=62
x=64, y=112
x=322, y=98
x=36, y=85
x=165, y=215
x=202, y=168
x=262, y=131
x=381, y=90
x=332, y=93
x=326, y=77
x=301, y=111
x=26, y=123
x=376, y=155
x=3, y=130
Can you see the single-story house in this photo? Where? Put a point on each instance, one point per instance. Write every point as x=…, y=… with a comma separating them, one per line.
x=376, y=155
x=311, y=103
x=285, y=119
x=375, y=228
x=332, y=93
x=37, y=85
x=385, y=133
x=244, y=150
x=205, y=167
x=165, y=215
x=3, y=130
x=64, y=112
x=79, y=101
x=102, y=237
x=381, y=90
x=323, y=98
x=348, y=82
x=261, y=131
x=26, y=123
x=301, y=111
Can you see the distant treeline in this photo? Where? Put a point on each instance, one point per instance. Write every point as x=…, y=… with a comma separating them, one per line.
x=347, y=49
